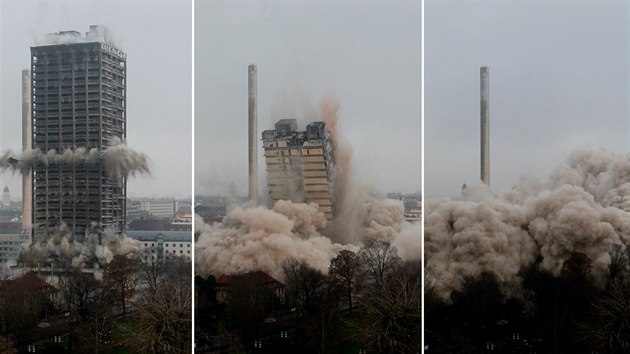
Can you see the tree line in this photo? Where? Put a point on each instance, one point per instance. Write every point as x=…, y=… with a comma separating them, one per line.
x=141, y=304
x=369, y=301
x=573, y=312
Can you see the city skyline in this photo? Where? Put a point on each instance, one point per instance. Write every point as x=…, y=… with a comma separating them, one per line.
x=158, y=95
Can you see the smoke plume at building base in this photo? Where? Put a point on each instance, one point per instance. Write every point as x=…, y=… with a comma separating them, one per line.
x=96, y=247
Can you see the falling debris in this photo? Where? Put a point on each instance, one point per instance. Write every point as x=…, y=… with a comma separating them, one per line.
x=95, y=248
x=121, y=161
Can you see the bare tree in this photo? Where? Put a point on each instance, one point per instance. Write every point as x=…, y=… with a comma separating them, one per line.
x=609, y=328
x=619, y=264
x=151, y=268
x=78, y=290
x=23, y=307
x=391, y=313
x=163, y=313
x=347, y=268
x=120, y=274
x=381, y=259
x=102, y=316
x=305, y=285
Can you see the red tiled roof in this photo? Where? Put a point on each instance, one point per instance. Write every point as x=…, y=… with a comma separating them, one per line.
x=38, y=282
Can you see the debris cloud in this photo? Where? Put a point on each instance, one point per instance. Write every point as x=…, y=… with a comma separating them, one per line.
x=583, y=207
x=258, y=238
x=96, y=247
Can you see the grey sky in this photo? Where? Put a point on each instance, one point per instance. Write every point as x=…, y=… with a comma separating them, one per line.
x=558, y=81
x=157, y=38
x=367, y=55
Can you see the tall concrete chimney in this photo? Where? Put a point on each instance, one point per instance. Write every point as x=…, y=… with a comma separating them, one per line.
x=253, y=136
x=27, y=143
x=485, y=125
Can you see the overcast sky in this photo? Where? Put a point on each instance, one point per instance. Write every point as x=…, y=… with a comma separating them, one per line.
x=157, y=37
x=367, y=55
x=558, y=81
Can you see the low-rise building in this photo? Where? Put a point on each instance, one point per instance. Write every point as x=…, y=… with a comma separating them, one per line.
x=163, y=244
x=31, y=281
x=12, y=240
x=259, y=280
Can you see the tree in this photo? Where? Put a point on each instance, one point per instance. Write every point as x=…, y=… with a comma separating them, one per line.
x=151, y=268
x=23, y=307
x=391, y=312
x=381, y=260
x=348, y=270
x=619, y=264
x=163, y=313
x=608, y=327
x=560, y=303
x=120, y=274
x=478, y=301
x=79, y=291
x=305, y=285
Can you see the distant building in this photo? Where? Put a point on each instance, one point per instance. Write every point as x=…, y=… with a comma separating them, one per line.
x=159, y=224
x=160, y=209
x=412, y=205
x=164, y=244
x=183, y=216
x=211, y=213
x=12, y=240
x=78, y=102
x=134, y=212
x=6, y=198
x=300, y=164
x=413, y=215
x=150, y=224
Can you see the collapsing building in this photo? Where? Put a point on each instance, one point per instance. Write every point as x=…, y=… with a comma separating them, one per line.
x=78, y=102
x=300, y=164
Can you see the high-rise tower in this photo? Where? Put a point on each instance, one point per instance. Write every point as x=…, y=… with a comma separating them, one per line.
x=300, y=164
x=78, y=103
